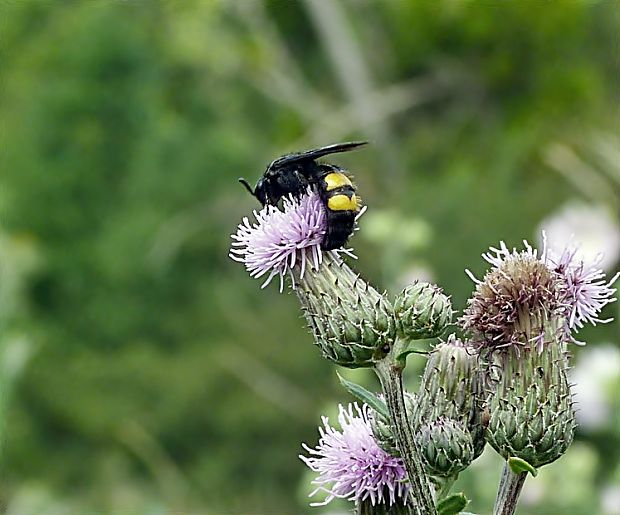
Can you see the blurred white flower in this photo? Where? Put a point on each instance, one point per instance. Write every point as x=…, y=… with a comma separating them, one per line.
x=596, y=368
x=593, y=227
x=610, y=500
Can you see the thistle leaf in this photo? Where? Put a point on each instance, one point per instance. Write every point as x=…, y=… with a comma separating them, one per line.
x=363, y=395
x=403, y=347
x=452, y=504
x=517, y=465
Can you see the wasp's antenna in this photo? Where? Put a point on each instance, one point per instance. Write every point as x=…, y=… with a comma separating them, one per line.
x=247, y=186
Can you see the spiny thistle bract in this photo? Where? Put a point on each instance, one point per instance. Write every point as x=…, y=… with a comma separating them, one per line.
x=531, y=410
x=422, y=311
x=447, y=446
x=353, y=324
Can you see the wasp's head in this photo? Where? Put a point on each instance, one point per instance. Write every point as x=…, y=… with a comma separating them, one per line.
x=260, y=191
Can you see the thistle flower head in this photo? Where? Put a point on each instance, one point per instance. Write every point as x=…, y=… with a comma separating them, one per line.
x=450, y=380
x=532, y=301
x=447, y=447
x=282, y=239
x=587, y=292
x=350, y=464
x=452, y=390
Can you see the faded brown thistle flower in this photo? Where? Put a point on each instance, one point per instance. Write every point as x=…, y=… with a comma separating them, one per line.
x=515, y=301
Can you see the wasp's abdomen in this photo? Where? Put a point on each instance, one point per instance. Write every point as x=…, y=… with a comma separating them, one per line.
x=340, y=192
x=335, y=180
x=342, y=206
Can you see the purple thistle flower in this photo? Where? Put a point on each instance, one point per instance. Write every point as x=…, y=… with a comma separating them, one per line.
x=587, y=292
x=281, y=239
x=352, y=466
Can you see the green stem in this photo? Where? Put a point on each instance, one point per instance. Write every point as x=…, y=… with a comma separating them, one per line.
x=510, y=486
x=389, y=372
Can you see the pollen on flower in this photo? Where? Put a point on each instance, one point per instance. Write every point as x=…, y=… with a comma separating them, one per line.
x=282, y=239
x=351, y=465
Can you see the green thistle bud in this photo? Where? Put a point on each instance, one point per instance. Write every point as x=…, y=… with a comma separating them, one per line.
x=422, y=311
x=532, y=414
x=446, y=445
x=353, y=324
x=452, y=389
x=382, y=426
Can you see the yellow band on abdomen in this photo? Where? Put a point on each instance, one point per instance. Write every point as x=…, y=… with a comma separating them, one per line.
x=336, y=180
x=342, y=203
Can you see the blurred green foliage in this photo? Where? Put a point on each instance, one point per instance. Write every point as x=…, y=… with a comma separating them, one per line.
x=143, y=371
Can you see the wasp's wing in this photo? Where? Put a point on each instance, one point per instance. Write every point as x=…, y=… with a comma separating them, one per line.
x=315, y=153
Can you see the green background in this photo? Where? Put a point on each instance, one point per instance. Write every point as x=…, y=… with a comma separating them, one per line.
x=143, y=371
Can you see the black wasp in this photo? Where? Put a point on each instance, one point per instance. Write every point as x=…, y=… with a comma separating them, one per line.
x=294, y=173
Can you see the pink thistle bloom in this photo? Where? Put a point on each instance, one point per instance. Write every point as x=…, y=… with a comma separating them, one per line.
x=587, y=292
x=280, y=240
x=351, y=465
